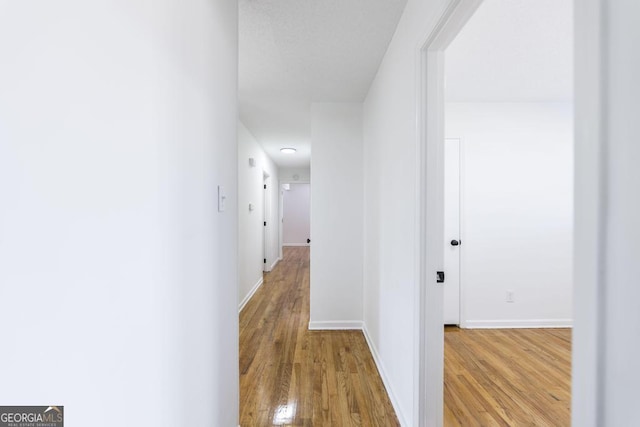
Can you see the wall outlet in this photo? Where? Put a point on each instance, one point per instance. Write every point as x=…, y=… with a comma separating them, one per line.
x=510, y=296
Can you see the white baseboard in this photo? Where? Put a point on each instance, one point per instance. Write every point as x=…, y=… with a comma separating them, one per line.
x=274, y=264
x=517, y=324
x=295, y=244
x=385, y=379
x=253, y=290
x=335, y=325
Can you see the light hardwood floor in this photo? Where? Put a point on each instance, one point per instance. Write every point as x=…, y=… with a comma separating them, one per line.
x=292, y=376
x=507, y=377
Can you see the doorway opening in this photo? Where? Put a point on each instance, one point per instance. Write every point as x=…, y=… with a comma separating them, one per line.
x=266, y=227
x=512, y=120
x=524, y=225
x=296, y=226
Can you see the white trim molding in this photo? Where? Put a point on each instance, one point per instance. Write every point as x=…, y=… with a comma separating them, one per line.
x=253, y=290
x=335, y=325
x=275, y=263
x=295, y=244
x=517, y=324
x=428, y=400
x=385, y=378
x=591, y=55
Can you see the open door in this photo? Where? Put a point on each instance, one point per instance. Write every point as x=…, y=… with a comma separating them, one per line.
x=452, y=242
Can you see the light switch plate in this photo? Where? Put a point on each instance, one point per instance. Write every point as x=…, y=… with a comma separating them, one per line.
x=222, y=198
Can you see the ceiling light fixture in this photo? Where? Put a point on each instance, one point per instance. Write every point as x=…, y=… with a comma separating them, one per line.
x=288, y=150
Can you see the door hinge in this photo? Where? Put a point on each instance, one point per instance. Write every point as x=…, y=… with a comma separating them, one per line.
x=440, y=276
x=265, y=186
x=264, y=261
x=265, y=223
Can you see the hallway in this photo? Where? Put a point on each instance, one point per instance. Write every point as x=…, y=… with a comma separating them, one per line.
x=292, y=376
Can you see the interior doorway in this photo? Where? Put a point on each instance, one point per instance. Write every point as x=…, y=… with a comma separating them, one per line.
x=517, y=126
x=296, y=216
x=509, y=96
x=266, y=214
x=436, y=239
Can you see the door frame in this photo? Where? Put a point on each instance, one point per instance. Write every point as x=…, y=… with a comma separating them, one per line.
x=266, y=215
x=281, y=208
x=428, y=391
x=590, y=211
x=591, y=50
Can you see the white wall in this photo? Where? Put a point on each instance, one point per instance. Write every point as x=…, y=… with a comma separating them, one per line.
x=289, y=174
x=621, y=114
x=117, y=272
x=605, y=372
x=517, y=212
x=607, y=245
x=336, y=216
x=296, y=227
x=390, y=211
x=251, y=248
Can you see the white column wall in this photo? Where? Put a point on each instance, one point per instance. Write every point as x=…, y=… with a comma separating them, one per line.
x=605, y=368
x=336, y=216
x=391, y=211
x=621, y=287
x=118, y=285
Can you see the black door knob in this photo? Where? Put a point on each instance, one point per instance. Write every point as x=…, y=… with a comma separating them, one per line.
x=455, y=243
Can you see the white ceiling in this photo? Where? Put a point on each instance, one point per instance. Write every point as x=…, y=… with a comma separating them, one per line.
x=295, y=52
x=513, y=50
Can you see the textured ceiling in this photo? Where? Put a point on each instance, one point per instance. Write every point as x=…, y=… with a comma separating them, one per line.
x=294, y=52
x=513, y=50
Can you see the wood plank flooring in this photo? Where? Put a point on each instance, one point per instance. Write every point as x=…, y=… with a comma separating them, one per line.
x=507, y=377
x=290, y=376
x=294, y=377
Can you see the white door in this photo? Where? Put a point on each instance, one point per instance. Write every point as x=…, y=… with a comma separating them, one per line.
x=296, y=225
x=452, y=231
x=265, y=230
